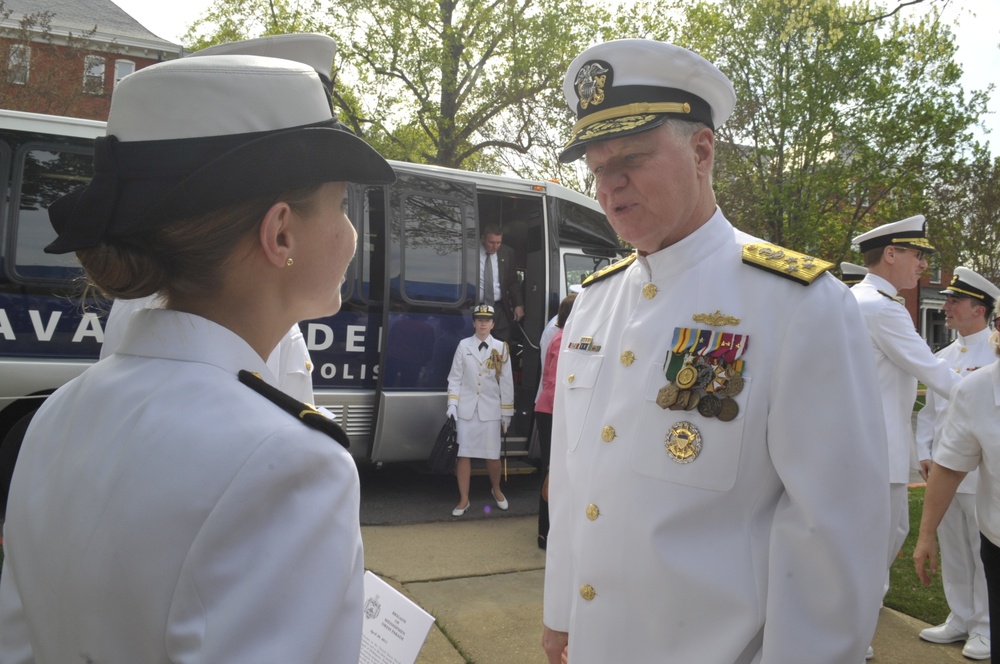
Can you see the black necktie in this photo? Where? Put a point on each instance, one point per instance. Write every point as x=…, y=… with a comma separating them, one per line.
x=482, y=345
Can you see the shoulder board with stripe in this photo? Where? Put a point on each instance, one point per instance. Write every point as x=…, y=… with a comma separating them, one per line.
x=894, y=298
x=785, y=263
x=608, y=271
x=306, y=413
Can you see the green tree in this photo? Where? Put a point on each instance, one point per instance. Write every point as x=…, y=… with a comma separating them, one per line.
x=848, y=113
x=463, y=83
x=234, y=20
x=971, y=205
x=458, y=82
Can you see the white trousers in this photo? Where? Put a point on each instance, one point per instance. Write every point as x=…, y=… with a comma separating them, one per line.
x=962, y=568
x=899, y=524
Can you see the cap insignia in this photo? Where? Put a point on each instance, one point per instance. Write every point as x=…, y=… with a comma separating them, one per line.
x=590, y=81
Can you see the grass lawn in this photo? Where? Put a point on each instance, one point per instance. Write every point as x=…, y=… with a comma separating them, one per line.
x=906, y=594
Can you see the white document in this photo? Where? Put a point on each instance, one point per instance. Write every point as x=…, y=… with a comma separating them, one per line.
x=394, y=628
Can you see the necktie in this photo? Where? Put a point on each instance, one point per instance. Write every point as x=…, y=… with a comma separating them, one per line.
x=488, y=296
x=482, y=345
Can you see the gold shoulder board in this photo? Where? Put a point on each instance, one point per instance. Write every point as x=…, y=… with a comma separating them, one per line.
x=608, y=271
x=784, y=262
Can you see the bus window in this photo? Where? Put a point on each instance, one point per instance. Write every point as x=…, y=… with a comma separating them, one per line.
x=578, y=267
x=432, y=250
x=43, y=174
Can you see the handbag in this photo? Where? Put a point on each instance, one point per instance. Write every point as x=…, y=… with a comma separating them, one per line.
x=445, y=451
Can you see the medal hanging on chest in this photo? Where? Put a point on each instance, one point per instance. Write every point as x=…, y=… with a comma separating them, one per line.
x=704, y=371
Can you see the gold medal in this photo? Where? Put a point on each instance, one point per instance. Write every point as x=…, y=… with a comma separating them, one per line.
x=682, y=400
x=667, y=395
x=687, y=377
x=683, y=443
x=728, y=409
x=693, y=401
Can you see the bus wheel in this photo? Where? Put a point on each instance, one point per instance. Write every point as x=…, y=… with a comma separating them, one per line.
x=8, y=456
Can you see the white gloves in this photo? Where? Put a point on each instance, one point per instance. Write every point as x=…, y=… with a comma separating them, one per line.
x=505, y=422
x=453, y=411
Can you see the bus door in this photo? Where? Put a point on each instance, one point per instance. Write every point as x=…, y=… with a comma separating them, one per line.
x=430, y=276
x=521, y=217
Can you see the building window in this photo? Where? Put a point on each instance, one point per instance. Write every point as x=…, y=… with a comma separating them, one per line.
x=122, y=69
x=18, y=63
x=93, y=75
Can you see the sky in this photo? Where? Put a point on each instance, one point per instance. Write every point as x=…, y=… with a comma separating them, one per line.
x=978, y=40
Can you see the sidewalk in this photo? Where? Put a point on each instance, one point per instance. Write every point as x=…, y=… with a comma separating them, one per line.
x=482, y=580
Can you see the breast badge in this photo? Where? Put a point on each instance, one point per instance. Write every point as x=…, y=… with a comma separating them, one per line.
x=683, y=442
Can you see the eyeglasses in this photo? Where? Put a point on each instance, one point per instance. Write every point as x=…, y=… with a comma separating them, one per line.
x=919, y=252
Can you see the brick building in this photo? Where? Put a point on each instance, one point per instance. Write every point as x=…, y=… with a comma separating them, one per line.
x=64, y=57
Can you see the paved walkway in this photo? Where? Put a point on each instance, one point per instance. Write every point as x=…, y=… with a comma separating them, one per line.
x=482, y=580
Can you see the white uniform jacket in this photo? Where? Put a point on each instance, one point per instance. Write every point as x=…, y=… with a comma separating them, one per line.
x=964, y=355
x=161, y=511
x=902, y=358
x=769, y=546
x=289, y=362
x=970, y=438
x=473, y=384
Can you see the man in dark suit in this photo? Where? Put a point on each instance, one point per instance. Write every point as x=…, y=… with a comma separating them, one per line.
x=498, y=285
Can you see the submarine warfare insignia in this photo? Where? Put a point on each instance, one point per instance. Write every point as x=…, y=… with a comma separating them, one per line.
x=718, y=319
x=704, y=370
x=683, y=442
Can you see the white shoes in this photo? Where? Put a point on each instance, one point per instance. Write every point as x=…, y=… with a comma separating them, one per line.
x=977, y=647
x=502, y=504
x=459, y=511
x=870, y=654
x=943, y=633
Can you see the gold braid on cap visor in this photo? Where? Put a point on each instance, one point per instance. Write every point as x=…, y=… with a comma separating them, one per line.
x=917, y=241
x=978, y=296
x=638, y=108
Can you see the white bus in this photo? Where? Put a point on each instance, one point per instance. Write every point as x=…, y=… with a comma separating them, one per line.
x=381, y=364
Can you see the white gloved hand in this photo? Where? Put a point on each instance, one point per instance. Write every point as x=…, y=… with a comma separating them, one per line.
x=453, y=411
x=505, y=422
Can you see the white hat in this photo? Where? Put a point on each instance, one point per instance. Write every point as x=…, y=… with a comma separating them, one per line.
x=189, y=136
x=910, y=232
x=627, y=86
x=851, y=274
x=966, y=283
x=311, y=49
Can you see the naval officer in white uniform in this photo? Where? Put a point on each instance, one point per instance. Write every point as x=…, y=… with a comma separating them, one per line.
x=481, y=399
x=895, y=255
x=968, y=309
x=170, y=504
x=718, y=477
